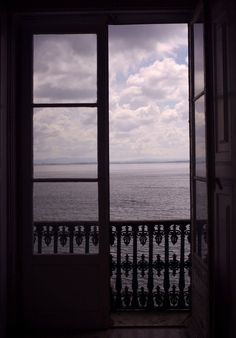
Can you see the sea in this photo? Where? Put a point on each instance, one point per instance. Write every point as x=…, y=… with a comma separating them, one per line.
x=138, y=191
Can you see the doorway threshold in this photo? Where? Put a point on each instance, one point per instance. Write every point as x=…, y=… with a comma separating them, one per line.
x=150, y=319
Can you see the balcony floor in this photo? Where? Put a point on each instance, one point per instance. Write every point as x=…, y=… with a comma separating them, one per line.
x=124, y=333
x=150, y=319
x=136, y=325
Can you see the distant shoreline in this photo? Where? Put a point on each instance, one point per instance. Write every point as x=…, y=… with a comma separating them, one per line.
x=113, y=162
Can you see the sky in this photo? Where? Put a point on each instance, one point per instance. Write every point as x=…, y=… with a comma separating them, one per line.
x=148, y=95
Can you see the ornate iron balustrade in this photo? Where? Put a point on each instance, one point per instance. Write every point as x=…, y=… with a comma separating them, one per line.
x=66, y=238
x=150, y=265
x=150, y=261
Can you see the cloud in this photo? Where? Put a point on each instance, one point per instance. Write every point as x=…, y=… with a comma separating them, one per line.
x=151, y=96
x=69, y=134
x=148, y=94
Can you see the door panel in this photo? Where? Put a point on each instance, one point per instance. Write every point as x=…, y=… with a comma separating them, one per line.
x=65, y=249
x=199, y=327
x=223, y=194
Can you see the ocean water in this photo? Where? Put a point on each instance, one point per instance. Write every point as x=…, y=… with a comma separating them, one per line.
x=147, y=191
x=144, y=191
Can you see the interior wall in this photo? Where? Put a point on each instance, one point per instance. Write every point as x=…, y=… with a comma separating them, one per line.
x=231, y=292
x=3, y=227
x=232, y=96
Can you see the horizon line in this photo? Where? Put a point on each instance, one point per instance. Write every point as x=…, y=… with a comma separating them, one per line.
x=112, y=162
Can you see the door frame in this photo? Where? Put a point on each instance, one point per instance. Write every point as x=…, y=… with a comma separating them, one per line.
x=26, y=20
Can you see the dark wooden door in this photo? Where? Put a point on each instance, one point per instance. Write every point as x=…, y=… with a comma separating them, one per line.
x=199, y=177
x=222, y=56
x=213, y=234
x=65, y=255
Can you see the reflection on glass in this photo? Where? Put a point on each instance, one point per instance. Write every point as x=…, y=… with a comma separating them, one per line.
x=198, y=59
x=65, y=170
x=56, y=238
x=65, y=68
x=200, y=137
x=65, y=202
x=201, y=219
x=65, y=139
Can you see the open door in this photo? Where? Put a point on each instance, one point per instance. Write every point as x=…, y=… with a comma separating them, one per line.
x=223, y=56
x=62, y=128
x=199, y=177
x=211, y=55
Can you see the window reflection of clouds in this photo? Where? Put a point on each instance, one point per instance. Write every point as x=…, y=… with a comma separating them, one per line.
x=65, y=68
x=198, y=59
x=62, y=134
x=200, y=137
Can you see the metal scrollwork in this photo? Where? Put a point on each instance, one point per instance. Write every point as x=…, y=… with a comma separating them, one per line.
x=126, y=265
x=63, y=236
x=174, y=234
x=127, y=235
x=79, y=236
x=174, y=296
x=143, y=235
x=158, y=234
x=174, y=264
x=153, y=271
x=94, y=236
x=143, y=265
x=142, y=296
x=158, y=265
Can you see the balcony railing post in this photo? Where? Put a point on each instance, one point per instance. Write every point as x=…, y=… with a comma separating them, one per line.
x=150, y=302
x=71, y=238
x=166, y=303
x=135, y=303
x=181, y=303
x=87, y=236
x=40, y=237
x=118, y=301
x=55, y=231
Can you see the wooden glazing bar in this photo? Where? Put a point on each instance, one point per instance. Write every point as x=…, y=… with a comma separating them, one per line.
x=64, y=105
x=63, y=180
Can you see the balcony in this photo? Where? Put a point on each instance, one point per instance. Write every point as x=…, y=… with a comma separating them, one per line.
x=150, y=263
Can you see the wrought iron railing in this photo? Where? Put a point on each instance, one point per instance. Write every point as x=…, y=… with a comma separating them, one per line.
x=66, y=238
x=150, y=260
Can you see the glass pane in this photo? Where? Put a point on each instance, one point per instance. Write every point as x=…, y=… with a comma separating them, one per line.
x=65, y=68
x=65, y=170
x=56, y=238
x=198, y=58
x=201, y=219
x=200, y=137
x=65, y=142
x=65, y=202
